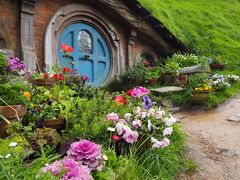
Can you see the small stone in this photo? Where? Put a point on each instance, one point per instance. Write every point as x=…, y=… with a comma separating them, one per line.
x=174, y=109
x=226, y=152
x=167, y=89
x=235, y=118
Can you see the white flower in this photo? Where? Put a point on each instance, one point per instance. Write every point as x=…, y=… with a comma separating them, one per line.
x=127, y=116
x=159, y=114
x=119, y=127
x=8, y=155
x=151, y=112
x=167, y=131
x=143, y=115
x=105, y=158
x=137, y=110
x=111, y=129
x=137, y=124
x=149, y=125
x=170, y=121
x=13, y=144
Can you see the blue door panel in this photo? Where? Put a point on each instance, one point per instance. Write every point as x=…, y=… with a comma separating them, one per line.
x=91, y=55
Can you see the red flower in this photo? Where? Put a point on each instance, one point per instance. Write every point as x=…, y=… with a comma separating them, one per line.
x=66, y=69
x=129, y=92
x=116, y=137
x=150, y=67
x=145, y=62
x=119, y=100
x=69, y=49
x=55, y=76
x=60, y=77
x=66, y=48
x=45, y=75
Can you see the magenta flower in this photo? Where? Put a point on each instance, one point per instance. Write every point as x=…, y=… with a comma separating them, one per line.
x=86, y=152
x=138, y=92
x=143, y=90
x=15, y=65
x=113, y=117
x=55, y=168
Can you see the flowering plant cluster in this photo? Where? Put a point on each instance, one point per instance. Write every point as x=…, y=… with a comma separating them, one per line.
x=221, y=82
x=203, y=88
x=150, y=122
x=82, y=158
x=15, y=65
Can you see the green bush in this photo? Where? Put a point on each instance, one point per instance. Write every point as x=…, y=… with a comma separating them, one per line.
x=3, y=64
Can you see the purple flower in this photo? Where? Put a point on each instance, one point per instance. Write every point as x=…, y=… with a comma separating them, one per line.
x=147, y=102
x=139, y=91
x=84, y=78
x=87, y=152
x=15, y=65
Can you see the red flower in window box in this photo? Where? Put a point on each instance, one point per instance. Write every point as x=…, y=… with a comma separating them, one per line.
x=55, y=76
x=119, y=100
x=60, y=77
x=66, y=69
x=45, y=75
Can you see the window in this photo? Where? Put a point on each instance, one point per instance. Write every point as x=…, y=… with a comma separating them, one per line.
x=149, y=58
x=84, y=42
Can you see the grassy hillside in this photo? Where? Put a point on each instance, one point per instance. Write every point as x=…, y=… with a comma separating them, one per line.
x=206, y=27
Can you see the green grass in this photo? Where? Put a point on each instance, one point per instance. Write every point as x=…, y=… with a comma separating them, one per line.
x=207, y=28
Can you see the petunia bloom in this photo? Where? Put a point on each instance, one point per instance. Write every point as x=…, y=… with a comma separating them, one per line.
x=167, y=131
x=130, y=136
x=113, y=117
x=170, y=120
x=147, y=102
x=137, y=124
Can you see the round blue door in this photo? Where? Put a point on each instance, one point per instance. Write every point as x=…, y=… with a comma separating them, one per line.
x=91, y=54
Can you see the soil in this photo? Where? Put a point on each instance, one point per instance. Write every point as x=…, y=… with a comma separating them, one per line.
x=213, y=141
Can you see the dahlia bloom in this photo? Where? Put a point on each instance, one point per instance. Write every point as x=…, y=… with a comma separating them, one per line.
x=87, y=152
x=73, y=170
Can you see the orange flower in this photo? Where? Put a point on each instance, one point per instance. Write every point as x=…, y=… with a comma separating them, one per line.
x=27, y=95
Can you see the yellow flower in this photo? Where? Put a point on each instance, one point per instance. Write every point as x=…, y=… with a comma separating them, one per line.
x=206, y=88
x=196, y=89
x=200, y=89
x=27, y=95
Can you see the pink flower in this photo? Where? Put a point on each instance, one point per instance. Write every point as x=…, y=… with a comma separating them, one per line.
x=120, y=128
x=113, y=117
x=144, y=90
x=160, y=144
x=87, y=152
x=130, y=136
x=151, y=112
x=137, y=124
x=143, y=115
x=72, y=170
x=116, y=137
x=168, y=131
x=159, y=114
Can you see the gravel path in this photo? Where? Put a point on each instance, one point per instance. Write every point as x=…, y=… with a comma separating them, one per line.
x=213, y=141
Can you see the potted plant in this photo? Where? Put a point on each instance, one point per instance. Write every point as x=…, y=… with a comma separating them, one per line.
x=217, y=63
x=153, y=75
x=182, y=80
x=200, y=93
x=13, y=99
x=170, y=72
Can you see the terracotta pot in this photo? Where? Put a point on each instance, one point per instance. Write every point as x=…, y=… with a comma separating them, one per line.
x=11, y=115
x=182, y=80
x=217, y=66
x=152, y=81
x=48, y=83
x=168, y=79
x=199, y=97
x=58, y=124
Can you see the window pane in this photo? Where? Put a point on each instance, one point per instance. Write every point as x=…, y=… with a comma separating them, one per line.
x=84, y=42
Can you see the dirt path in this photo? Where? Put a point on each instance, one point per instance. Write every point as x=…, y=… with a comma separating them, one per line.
x=213, y=142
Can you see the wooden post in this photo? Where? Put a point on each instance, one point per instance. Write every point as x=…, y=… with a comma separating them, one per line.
x=131, y=39
x=27, y=34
